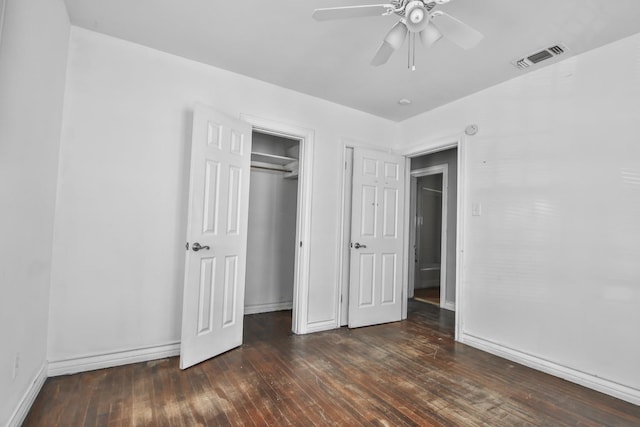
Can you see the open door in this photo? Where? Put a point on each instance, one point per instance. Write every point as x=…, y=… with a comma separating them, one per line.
x=375, y=290
x=213, y=302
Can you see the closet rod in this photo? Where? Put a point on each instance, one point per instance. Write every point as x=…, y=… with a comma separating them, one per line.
x=271, y=169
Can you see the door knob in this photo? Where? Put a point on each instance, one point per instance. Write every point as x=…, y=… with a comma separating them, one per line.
x=196, y=247
x=358, y=245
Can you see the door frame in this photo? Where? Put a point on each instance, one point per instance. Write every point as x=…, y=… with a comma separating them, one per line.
x=344, y=255
x=300, y=309
x=426, y=147
x=413, y=227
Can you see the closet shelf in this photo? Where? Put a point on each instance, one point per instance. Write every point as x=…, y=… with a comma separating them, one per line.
x=271, y=158
x=270, y=166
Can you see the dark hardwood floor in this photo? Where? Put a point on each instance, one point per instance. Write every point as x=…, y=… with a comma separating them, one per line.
x=405, y=373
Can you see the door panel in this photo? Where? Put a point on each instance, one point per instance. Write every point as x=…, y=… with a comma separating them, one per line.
x=368, y=211
x=211, y=191
x=205, y=306
x=217, y=220
x=390, y=209
x=389, y=283
x=391, y=171
x=376, y=241
x=233, y=202
x=230, y=291
x=367, y=279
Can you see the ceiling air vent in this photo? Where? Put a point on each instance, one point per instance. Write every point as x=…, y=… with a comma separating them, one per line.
x=557, y=49
x=537, y=57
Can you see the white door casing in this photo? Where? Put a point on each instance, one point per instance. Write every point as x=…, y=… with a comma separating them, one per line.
x=377, y=238
x=213, y=301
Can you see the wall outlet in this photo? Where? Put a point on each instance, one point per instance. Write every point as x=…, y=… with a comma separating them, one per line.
x=16, y=365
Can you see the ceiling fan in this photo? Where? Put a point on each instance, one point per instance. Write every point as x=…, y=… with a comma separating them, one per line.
x=416, y=17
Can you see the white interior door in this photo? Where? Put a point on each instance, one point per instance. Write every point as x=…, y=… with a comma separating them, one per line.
x=375, y=290
x=213, y=304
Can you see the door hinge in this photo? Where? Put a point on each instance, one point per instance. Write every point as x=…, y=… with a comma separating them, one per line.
x=186, y=246
x=301, y=243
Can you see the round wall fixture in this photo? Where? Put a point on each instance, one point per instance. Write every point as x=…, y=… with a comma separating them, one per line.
x=471, y=130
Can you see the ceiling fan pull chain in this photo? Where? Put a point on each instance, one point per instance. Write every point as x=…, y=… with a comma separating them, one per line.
x=413, y=54
x=409, y=52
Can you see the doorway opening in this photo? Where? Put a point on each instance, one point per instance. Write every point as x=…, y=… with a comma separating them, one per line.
x=298, y=143
x=272, y=233
x=430, y=237
x=432, y=229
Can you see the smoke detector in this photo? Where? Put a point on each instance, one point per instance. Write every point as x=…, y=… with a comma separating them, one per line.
x=539, y=56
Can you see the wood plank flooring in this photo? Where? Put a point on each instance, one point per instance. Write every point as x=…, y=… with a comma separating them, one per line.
x=428, y=295
x=405, y=373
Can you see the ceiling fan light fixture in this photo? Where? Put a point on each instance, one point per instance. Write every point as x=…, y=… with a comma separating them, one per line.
x=430, y=35
x=417, y=17
x=395, y=37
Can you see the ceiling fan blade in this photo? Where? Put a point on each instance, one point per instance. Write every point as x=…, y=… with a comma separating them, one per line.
x=430, y=35
x=392, y=42
x=351, y=11
x=455, y=30
x=383, y=54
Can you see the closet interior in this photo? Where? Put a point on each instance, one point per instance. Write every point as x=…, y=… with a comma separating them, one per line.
x=273, y=201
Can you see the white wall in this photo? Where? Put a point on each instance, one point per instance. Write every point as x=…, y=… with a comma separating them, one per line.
x=121, y=216
x=552, y=265
x=33, y=57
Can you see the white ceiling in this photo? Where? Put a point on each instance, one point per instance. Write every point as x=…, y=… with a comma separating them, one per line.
x=277, y=41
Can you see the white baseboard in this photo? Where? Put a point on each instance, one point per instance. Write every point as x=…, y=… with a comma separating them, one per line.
x=266, y=308
x=447, y=305
x=602, y=385
x=320, y=326
x=109, y=360
x=27, y=399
